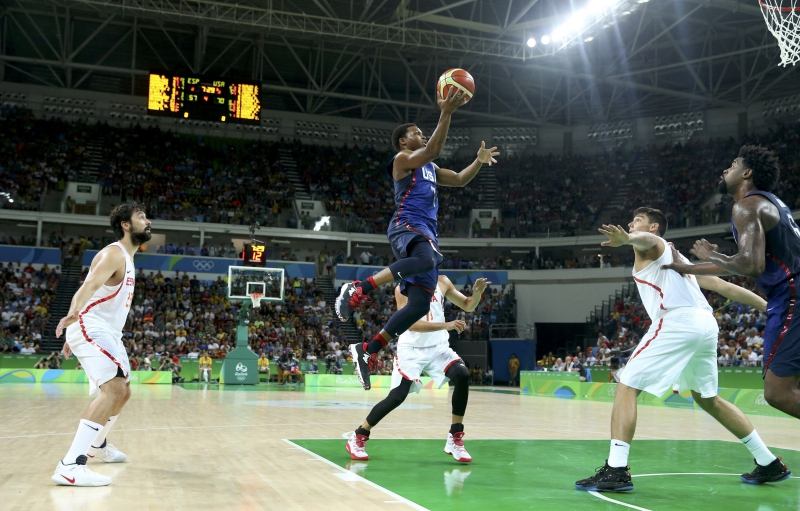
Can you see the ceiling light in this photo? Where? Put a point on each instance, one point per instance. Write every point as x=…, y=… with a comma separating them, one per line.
x=588, y=39
x=545, y=39
x=531, y=42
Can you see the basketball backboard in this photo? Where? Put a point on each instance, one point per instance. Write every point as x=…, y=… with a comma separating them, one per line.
x=243, y=280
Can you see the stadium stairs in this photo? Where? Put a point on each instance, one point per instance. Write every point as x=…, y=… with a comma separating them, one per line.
x=289, y=167
x=68, y=284
x=93, y=159
x=613, y=212
x=350, y=330
x=487, y=179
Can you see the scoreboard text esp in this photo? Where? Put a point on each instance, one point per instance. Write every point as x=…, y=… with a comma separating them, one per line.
x=190, y=97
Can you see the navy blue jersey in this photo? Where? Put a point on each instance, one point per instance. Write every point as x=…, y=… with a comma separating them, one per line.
x=416, y=198
x=782, y=249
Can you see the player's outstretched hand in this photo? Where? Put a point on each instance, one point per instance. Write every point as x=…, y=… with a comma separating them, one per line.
x=457, y=325
x=703, y=249
x=616, y=235
x=679, y=263
x=66, y=351
x=454, y=99
x=65, y=322
x=487, y=155
x=480, y=286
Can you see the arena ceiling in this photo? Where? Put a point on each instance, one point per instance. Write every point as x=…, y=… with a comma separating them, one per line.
x=379, y=59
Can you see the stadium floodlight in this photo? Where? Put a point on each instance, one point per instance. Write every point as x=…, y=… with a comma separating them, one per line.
x=597, y=13
x=545, y=39
x=531, y=42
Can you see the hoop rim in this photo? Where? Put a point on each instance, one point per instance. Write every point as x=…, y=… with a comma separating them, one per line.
x=779, y=9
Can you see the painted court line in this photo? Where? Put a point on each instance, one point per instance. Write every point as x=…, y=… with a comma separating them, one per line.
x=601, y=496
x=355, y=477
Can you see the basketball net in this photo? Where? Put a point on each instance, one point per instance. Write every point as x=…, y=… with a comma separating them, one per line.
x=256, y=298
x=783, y=21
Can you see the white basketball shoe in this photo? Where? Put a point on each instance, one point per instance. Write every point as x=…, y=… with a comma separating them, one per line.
x=109, y=454
x=76, y=474
x=455, y=446
x=355, y=446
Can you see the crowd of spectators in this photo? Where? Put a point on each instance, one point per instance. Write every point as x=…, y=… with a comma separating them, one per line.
x=37, y=156
x=25, y=297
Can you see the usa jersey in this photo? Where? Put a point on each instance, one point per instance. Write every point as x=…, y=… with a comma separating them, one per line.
x=416, y=198
x=782, y=248
x=666, y=290
x=426, y=339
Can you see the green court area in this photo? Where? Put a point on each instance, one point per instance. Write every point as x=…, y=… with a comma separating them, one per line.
x=540, y=475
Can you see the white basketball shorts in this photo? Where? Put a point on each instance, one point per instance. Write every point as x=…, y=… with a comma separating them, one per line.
x=410, y=362
x=100, y=355
x=681, y=347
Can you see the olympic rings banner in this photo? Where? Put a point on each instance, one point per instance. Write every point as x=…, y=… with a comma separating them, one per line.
x=351, y=272
x=9, y=254
x=215, y=265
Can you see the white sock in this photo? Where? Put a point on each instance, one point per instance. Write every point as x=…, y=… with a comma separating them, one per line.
x=101, y=437
x=618, y=456
x=758, y=449
x=87, y=431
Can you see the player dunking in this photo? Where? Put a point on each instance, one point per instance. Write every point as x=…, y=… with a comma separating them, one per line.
x=94, y=334
x=412, y=230
x=680, y=347
x=425, y=347
x=769, y=252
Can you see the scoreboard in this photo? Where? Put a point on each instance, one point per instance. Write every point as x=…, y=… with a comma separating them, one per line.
x=193, y=97
x=254, y=254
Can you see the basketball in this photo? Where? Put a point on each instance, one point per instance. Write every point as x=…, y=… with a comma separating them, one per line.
x=455, y=78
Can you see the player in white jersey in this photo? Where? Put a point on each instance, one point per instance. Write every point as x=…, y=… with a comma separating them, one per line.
x=680, y=347
x=426, y=347
x=94, y=334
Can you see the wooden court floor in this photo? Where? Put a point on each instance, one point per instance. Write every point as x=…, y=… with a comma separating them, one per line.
x=206, y=448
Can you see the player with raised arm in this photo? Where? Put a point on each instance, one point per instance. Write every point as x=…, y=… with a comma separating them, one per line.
x=769, y=252
x=426, y=347
x=94, y=326
x=680, y=347
x=412, y=230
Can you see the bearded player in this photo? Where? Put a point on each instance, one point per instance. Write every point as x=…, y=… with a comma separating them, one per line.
x=680, y=347
x=412, y=230
x=769, y=252
x=425, y=347
x=94, y=334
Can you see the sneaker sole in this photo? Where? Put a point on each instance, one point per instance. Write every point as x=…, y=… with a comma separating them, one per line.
x=356, y=368
x=338, y=304
x=352, y=456
x=781, y=478
x=458, y=460
x=596, y=488
x=63, y=483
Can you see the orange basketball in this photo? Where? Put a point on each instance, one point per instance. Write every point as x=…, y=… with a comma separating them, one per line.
x=455, y=78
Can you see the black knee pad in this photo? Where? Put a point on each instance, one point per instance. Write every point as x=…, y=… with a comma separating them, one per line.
x=458, y=374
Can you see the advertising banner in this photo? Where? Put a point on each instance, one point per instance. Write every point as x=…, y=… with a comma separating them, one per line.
x=76, y=376
x=343, y=380
x=11, y=254
x=194, y=264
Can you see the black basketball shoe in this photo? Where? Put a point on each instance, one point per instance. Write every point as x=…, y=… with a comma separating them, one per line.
x=362, y=363
x=772, y=473
x=607, y=479
x=350, y=297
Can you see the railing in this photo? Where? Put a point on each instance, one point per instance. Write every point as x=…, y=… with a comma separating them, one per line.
x=512, y=331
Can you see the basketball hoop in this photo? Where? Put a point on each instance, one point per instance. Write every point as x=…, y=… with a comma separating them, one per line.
x=256, y=298
x=783, y=21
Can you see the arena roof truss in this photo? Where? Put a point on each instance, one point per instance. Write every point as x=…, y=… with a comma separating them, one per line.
x=379, y=59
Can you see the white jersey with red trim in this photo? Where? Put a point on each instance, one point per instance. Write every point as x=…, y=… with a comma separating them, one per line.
x=425, y=339
x=665, y=290
x=108, y=307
